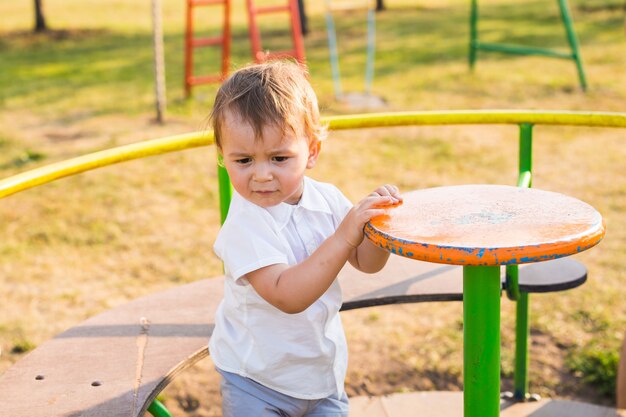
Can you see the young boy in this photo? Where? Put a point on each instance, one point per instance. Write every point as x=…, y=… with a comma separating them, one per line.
x=278, y=340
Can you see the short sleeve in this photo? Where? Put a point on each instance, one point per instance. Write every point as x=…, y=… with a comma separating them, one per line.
x=248, y=241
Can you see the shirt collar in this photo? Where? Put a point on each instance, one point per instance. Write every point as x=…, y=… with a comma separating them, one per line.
x=311, y=200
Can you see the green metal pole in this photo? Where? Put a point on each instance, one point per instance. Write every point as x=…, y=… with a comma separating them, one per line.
x=522, y=50
x=525, y=153
x=573, y=42
x=524, y=179
x=522, y=333
x=522, y=326
x=225, y=189
x=512, y=282
x=473, y=33
x=481, y=341
x=157, y=409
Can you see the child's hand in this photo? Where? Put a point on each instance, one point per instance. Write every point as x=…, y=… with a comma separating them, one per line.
x=388, y=190
x=351, y=228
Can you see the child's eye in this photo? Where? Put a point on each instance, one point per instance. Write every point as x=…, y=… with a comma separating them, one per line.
x=243, y=161
x=280, y=158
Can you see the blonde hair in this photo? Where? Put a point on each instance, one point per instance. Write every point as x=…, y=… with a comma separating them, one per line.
x=275, y=93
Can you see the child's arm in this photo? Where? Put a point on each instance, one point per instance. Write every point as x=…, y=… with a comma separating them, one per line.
x=294, y=288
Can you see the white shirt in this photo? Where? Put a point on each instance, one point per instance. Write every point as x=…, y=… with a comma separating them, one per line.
x=302, y=355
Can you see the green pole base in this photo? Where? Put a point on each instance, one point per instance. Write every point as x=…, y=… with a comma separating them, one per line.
x=481, y=341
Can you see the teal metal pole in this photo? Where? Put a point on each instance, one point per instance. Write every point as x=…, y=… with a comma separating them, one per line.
x=473, y=33
x=573, y=42
x=371, y=45
x=481, y=341
x=334, y=53
x=157, y=409
x=225, y=190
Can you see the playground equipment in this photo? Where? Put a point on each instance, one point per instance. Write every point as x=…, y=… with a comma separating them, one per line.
x=291, y=8
x=483, y=227
x=476, y=45
x=334, y=6
x=224, y=40
x=123, y=358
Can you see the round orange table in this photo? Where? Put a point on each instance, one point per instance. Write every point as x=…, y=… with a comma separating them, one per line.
x=483, y=227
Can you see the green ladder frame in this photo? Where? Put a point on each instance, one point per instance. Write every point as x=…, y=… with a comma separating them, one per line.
x=566, y=17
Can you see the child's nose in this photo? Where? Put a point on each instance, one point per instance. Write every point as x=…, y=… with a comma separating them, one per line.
x=262, y=172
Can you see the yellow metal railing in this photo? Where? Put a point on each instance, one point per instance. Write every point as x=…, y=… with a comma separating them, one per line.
x=49, y=173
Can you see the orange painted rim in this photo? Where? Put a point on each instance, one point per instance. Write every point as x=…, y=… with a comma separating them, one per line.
x=487, y=225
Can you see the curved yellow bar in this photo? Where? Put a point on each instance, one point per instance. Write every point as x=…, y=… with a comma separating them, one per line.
x=597, y=119
x=49, y=173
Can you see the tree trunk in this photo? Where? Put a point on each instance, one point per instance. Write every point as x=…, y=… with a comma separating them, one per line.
x=304, y=22
x=40, y=20
x=380, y=5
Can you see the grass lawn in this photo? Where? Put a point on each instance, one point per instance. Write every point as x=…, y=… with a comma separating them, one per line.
x=78, y=246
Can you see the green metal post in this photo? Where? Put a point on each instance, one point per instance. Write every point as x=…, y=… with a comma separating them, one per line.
x=481, y=341
x=512, y=282
x=473, y=33
x=522, y=50
x=522, y=326
x=225, y=189
x=573, y=41
x=524, y=179
x=522, y=333
x=525, y=151
x=566, y=17
x=157, y=409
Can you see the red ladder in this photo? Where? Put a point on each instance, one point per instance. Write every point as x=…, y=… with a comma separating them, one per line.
x=296, y=32
x=191, y=43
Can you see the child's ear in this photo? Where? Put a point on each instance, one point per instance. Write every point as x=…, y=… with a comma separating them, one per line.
x=220, y=158
x=314, y=152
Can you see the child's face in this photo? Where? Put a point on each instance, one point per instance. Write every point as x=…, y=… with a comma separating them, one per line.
x=268, y=171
